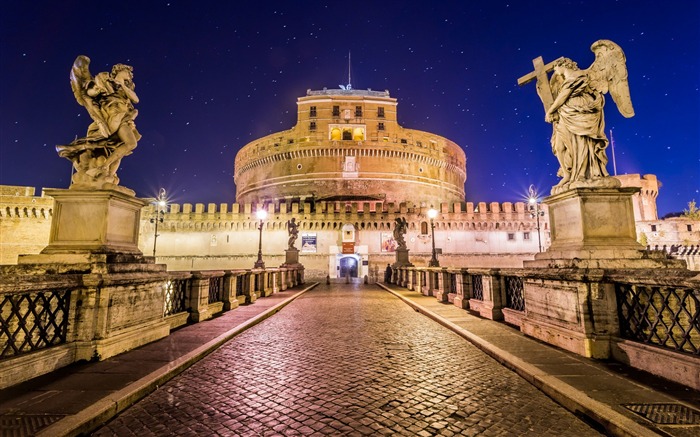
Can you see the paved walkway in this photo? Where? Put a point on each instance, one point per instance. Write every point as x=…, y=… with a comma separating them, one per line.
x=340, y=360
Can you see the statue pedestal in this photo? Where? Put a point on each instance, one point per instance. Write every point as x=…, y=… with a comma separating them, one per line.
x=291, y=258
x=570, y=302
x=93, y=250
x=402, y=259
x=594, y=228
x=93, y=222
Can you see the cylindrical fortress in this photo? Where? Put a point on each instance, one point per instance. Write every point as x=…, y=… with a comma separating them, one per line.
x=347, y=145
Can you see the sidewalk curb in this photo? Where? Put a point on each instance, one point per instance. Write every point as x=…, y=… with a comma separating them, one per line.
x=567, y=396
x=106, y=408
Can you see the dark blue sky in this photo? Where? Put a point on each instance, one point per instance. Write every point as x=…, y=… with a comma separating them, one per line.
x=214, y=75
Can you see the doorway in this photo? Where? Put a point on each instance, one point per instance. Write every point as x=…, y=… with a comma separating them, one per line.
x=348, y=267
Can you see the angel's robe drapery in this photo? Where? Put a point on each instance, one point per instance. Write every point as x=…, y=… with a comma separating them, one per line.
x=579, y=134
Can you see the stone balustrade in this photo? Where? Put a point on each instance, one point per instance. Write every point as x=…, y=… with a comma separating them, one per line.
x=638, y=317
x=56, y=314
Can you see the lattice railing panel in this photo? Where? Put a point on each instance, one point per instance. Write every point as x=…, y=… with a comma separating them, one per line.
x=515, y=298
x=216, y=289
x=240, y=285
x=664, y=316
x=33, y=321
x=175, y=296
x=477, y=287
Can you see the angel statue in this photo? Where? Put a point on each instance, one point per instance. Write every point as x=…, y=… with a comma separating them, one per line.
x=109, y=99
x=574, y=100
x=293, y=229
x=399, y=230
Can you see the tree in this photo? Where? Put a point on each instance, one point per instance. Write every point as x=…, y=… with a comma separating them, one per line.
x=693, y=212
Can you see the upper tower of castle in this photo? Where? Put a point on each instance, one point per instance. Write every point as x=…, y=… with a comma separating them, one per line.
x=347, y=144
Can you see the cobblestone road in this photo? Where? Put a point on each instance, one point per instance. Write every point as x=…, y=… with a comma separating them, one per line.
x=347, y=360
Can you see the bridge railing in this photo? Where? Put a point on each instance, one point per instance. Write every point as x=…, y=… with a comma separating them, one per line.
x=33, y=320
x=49, y=320
x=648, y=311
x=659, y=314
x=638, y=317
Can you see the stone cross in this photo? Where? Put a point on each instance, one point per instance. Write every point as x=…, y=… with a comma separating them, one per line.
x=540, y=73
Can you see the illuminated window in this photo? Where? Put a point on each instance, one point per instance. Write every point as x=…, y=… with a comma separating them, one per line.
x=358, y=134
x=336, y=134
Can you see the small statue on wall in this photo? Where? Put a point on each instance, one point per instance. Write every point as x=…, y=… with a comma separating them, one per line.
x=109, y=99
x=293, y=229
x=573, y=100
x=400, y=229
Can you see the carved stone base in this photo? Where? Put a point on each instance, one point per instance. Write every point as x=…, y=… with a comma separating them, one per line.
x=291, y=258
x=94, y=221
x=594, y=228
x=402, y=259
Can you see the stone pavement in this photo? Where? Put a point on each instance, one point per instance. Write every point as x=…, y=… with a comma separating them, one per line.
x=78, y=398
x=347, y=360
x=593, y=389
x=341, y=360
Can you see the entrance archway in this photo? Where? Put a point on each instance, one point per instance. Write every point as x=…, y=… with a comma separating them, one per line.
x=348, y=267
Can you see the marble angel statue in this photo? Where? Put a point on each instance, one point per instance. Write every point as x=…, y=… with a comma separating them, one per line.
x=575, y=110
x=109, y=99
x=399, y=230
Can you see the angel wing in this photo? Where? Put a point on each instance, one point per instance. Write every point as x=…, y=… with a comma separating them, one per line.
x=608, y=73
x=80, y=77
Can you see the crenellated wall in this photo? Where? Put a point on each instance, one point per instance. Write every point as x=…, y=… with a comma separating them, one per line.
x=221, y=236
x=25, y=222
x=227, y=235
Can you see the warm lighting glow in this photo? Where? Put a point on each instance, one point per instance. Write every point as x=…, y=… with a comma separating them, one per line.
x=261, y=214
x=432, y=213
x=532, y=195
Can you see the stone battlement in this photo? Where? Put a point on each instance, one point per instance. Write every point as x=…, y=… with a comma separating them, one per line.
x=21, y=202
x=330, y=207
x=366, y=215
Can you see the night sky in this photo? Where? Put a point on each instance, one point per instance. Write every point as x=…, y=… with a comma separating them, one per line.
x=213, y=76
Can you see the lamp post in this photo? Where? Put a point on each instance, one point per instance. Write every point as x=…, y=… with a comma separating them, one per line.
x=432, y=213
x=160, y=203
x=534, y=208
x=262, y=215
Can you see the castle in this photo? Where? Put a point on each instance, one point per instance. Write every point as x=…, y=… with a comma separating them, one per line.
x=345, y=172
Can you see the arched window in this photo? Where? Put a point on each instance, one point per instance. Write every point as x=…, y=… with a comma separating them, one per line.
x=336, y=134
x=424, y=228
x=358, y=134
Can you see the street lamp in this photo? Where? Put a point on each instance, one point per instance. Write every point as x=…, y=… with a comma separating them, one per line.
x=432, y=213
x=534, y=208
x=158, y=214
x=262, y=215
